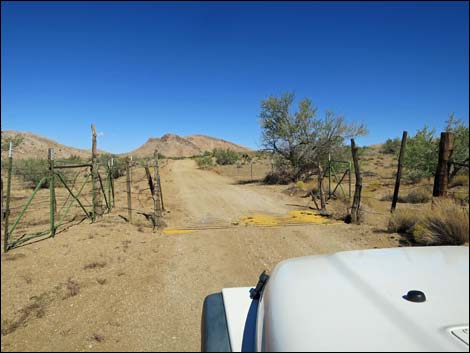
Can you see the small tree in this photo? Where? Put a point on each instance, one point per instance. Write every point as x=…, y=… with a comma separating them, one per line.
x=391, y=146
x=301, y=139
x=225, y=157
x=421, y=154
x=461, y=140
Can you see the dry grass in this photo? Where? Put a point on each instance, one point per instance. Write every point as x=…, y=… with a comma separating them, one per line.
x=459, y=180
x=73, y=288
x=414, y=196
x=403, y=221
x=446, y=224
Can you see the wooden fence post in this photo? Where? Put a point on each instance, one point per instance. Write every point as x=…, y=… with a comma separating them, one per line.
x=128, y=186
x=94, y=172
x=441, y=179
x=355, y=215
x=158, y=196
x=320, y=188
x=397, y=181
x=350, y=180
x=50, y=157
x=112, y=179
x=158, y=179
x=329, y=175
x=7, y=206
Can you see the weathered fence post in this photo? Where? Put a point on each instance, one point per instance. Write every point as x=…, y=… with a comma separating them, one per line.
x=397, y=181
x=441, y=179
x=108, y=179
x=50, y=158
x=112, y=179
x=156, y=212
x=320, y=188
x=158, y=179
x=350, y=180
x=251, y=170
x=128, y=186
x=355, y=214
x=94, y=172
x=157, y=192
x=7, y=206
x=329, y=175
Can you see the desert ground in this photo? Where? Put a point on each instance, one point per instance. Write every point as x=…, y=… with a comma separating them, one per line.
x=113, y=286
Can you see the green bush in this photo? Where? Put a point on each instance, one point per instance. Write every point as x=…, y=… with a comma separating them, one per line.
x=391, y=146
x=31, y=171
x=204, y=162
x=225, y=157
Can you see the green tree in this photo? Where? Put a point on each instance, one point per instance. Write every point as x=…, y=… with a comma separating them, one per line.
x=460, y=153
x=391, y=146
x=421, y=154
x=300, y=138
x=225, y=157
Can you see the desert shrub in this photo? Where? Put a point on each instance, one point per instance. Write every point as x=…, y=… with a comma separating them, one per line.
x=277, y=178
x=391, y=146
x=204, y=162
x=403, y=221
x=446, y=224
x=31, y=171
x=459, y=180
x=416, y=196
x=225, y=157
x=119, y=167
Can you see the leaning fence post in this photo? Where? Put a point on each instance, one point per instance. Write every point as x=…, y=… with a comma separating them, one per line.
x=158, y=179
x=329, y=175
x=112, y=178
x=128, y=186
x=94, y=172
x=7, y=206
x=158, y=192
x=355, y=215
x=50, y=157
x=109, y=185
x=350, y=180
x=441, y=179
x=397, y=181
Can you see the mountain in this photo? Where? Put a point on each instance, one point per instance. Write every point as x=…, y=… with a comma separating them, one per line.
x=171, y=145
x=36, y=146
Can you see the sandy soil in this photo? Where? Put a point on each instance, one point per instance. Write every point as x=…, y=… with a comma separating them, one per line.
x=115, y=286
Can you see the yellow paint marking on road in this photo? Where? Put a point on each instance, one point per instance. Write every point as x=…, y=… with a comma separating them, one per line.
x=179, y=231
x=296, y=216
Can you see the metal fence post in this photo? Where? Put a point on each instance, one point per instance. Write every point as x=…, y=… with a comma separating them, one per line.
x=50, y=158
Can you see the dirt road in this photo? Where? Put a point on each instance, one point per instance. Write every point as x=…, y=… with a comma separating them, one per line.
x=113, y=286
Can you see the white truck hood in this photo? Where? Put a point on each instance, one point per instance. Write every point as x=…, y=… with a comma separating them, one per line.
x=354, y=301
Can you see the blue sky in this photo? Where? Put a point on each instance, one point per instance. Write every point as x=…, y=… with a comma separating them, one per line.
x=143, y=69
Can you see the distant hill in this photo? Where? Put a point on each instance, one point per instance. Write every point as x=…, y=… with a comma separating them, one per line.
x=171, y=145
x=36, y=146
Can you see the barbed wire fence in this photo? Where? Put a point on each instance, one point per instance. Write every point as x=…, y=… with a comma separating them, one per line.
x=48, y=197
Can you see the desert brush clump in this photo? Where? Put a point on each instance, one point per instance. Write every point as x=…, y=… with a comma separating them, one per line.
x=403, y=221
x=414, y=196
x=225, y=157
x=204, y=162
x=459, y=180
x=446, y=223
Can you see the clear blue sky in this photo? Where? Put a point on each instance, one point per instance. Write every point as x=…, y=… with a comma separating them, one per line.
x=142, y=69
